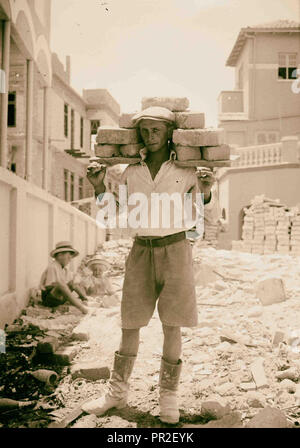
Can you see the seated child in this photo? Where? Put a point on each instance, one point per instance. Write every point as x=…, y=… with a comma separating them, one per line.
x=100, y=284
x=57, y=280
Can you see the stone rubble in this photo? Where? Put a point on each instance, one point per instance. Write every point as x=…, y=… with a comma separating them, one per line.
x=240, y=364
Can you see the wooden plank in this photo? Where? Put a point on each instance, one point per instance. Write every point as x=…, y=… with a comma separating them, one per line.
x=185, y=164
x=116, y=160
x=206, y=163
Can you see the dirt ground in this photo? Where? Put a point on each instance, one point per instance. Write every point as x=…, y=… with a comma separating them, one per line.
x=234, y=330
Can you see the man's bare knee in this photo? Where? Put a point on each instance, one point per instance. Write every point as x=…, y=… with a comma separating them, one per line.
x=171, y=331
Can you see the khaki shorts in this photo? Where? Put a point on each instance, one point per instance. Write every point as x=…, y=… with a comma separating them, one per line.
x=163, y=273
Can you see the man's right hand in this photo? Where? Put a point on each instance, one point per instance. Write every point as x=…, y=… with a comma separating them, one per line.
x=95, y=174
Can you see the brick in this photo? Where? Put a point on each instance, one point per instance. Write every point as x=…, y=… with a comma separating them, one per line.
x=117, y=136
x=107, y=150
x=288, y=385
x=132, y=150
x=189, y=120
x=248, y=386
x=258, y=373
x=255, y=399
x=187, y=152
x=225, y=389
x=268, y=418
x=221, y=152
x=214, y=409
x=125, y=121
x=79, y=334
x=271, y=290
x=199, y=137
x=255, y=311
x=172, y=103
x=91, y=371
x=65, y=355
x=232, y=420
x=48, y=345
x=278, y=337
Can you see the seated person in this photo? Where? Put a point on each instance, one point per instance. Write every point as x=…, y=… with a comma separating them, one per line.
x=57, y=280
x=100, y=285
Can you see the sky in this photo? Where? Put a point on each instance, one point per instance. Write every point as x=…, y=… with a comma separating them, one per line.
x=137, y=48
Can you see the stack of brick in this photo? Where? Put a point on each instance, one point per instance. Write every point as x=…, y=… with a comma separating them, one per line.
x=211, y=234
x=118, y=142
x=269, y=228
x=192, y=141
x=295, y=235
x=283, y=233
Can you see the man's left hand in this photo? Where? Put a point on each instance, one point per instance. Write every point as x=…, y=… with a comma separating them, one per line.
x=206, y=179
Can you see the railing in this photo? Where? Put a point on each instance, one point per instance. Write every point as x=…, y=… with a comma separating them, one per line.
x=259, y=155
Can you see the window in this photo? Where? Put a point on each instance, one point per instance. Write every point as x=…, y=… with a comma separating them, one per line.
x=80, y=188
x=66, y=114
x=72, y=187
x=287, y=65
x=95, y=124
x=72, y=129
x=66, y=184
x=265, y=138
x=81, y=132
x=11, y=113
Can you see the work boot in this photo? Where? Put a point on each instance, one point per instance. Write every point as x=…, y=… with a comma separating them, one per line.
x=168, y=381
x=117, y=390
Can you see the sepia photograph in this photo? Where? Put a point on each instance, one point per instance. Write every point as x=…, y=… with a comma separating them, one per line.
x=150, y=217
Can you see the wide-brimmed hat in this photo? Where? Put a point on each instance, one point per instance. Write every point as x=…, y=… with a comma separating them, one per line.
x=98, y=259
x=155, y=113
x=64, y=246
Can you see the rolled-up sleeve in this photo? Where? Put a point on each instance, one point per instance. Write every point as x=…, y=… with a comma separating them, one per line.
x=212, y=210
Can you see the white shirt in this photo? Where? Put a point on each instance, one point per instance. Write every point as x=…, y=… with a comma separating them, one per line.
x=55, y=273
x=161, y=221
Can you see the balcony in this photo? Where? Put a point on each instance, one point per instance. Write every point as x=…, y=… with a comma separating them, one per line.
x=231, y=105
x=258, y=155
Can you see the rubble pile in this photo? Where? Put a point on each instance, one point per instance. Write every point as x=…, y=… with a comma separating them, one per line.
x=241, y=364
x=270, y=227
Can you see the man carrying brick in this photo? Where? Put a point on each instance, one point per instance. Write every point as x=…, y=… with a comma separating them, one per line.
x=159, y=266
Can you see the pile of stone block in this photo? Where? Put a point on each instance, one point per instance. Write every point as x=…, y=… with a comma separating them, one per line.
x=114, y=142
x=211, y=234
x=191, y=140
x=270, y=227
x=295, y=235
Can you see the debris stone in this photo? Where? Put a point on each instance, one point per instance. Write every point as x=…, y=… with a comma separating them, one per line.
x=258, y=373
x=268, y=418
x=232, y=420
x=288, y=385
x=215, y=409
x=91, y=371
x=48, y=345
x=271, y=290
x=65, y=355
x=290, y=374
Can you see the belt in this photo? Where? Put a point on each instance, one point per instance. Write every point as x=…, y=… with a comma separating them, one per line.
x=159, y=242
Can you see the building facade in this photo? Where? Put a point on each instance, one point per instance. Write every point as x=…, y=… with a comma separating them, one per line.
x=263, y=107
x=46, y=127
